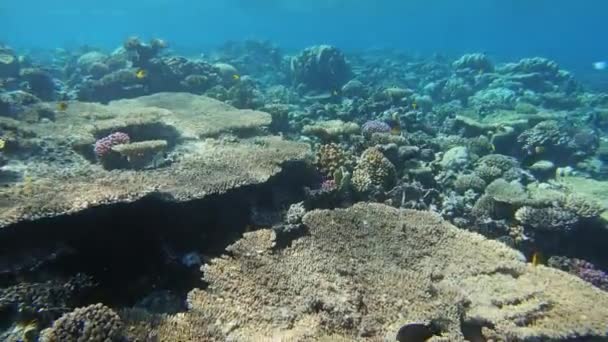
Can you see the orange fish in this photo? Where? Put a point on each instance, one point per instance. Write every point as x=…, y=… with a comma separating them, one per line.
x=62, y=106
x=537, y=258
x=141, y=74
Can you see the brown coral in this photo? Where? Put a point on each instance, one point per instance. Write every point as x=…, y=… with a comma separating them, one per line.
x=331, y=157
x=363, y=272
x=373, y=170
x=93, y=323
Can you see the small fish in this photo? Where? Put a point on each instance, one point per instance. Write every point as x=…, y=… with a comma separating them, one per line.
x=2, y=144
x=537, y=258
x=334, y=93
x=414, y=105
x=141, y=74
x=395, y=124
x=417, y=332
x=539, y=149
x=600, y=65
x=62, y=106
x=29, y=330
x=236, y=77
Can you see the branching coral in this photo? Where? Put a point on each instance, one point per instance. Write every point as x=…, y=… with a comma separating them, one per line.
x=470, y=181
x=94, y=323
x=581, y=206
x=42, y=300
x=373, y=170
x=507, y=192
x=546, y=219
x=331, y=157
x=493, y=166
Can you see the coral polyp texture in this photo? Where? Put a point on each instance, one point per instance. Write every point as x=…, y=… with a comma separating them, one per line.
x=173, y=123
x=374, y=126
x=94, y=323
x=365, y=271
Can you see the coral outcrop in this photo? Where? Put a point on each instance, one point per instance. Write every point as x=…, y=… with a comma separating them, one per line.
x=320, y=68
x=94, y=323
x=373, y=170
x=181, y=125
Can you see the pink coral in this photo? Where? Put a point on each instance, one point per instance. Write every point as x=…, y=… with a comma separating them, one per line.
x=104, y=145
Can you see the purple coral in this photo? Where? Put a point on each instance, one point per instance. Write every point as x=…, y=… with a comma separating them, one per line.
x=104, y=145
x=582, y=269
x=374, y=126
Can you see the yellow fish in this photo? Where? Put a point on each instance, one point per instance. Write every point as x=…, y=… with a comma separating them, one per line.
x=395, y=124
x=537, y=258
x=414, y=105
x=62, y=106
x=2, y=144
x=236, y=77
x=28, y=330
x=141, y=74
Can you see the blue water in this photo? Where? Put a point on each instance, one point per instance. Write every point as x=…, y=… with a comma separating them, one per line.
x=570, y=32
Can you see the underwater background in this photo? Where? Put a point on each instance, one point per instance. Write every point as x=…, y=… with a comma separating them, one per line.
x=571, y=32
x=292, y=170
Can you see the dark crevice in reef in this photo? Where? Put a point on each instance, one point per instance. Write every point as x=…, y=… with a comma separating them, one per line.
x=131, y=250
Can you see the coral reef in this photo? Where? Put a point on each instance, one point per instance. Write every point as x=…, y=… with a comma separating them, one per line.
x=365, y=271
x=104, y=145
x=475, y=62
x=513, y=151
x=95, y=323
x=555, y=219
x=320, y=68
x=503, y=191
x=374, y=126
x=469, y=182
x=330, y=158
x=202, y=168
x=373, y=170
x=331, y=130
x=582, y=269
